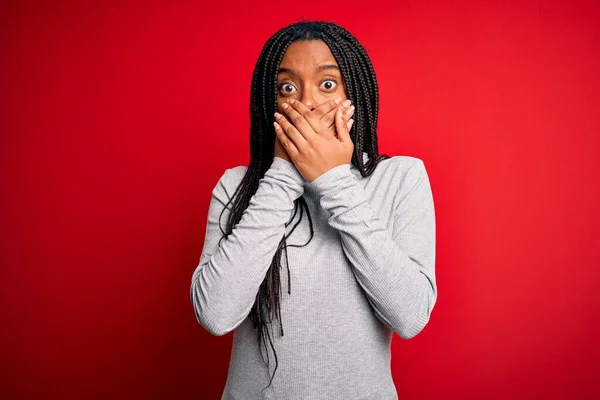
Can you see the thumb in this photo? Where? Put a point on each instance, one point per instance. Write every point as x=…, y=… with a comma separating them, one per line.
x=343, y=133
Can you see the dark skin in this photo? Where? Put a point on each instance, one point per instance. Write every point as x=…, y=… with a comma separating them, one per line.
x=314, y=115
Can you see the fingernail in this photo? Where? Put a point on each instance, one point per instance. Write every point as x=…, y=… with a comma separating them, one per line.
x=291, y=101
x=285, y=106
x=351, y=122
x=337, y=100
x=346, y=103
x=351, y=110
x=277, y=115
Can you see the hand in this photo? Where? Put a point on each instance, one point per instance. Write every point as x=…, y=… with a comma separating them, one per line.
x=280, y=151
x=327, y=111
x=326, y=114
x=309, y=142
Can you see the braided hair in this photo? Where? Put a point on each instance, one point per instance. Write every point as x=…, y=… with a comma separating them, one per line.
x=361, y=86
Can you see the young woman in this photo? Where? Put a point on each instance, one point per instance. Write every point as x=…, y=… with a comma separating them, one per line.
x=359, y=267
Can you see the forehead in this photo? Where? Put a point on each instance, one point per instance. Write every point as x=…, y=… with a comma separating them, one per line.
x=307, y=54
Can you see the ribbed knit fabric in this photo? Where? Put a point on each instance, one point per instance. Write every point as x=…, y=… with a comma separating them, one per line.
x=368, y=271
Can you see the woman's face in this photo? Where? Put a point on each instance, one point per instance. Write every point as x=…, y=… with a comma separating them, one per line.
x=309, y=73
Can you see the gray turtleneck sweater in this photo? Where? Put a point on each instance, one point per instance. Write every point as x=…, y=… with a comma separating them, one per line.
x=367, y=272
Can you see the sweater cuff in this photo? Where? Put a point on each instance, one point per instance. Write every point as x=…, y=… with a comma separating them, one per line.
x=331, y=178
x=279, y=164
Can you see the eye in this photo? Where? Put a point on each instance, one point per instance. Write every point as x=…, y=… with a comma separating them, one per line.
x=286, y=88
x=329, y=84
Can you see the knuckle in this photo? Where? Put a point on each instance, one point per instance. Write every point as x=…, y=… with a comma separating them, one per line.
x=297, y=119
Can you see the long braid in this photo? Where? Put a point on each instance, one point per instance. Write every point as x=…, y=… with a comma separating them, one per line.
x=361, y=85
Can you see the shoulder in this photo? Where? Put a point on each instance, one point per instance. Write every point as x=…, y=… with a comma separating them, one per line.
x=406, y=163
x=405, y=168
x=406, y=172
x=235, y=174
x=229, y=182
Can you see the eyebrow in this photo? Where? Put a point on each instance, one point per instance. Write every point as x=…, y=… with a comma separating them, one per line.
x=320, y=68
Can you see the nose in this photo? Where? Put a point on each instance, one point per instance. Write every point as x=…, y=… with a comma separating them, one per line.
x=308, y=99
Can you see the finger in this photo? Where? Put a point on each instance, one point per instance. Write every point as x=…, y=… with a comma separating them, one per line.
x=326, y=107
x=342, y=130
x=299, y=120
x=291, y=132
x=287, y=144
x=348, y=124
x=329, y=118
x=349, y=113
x=320, y=126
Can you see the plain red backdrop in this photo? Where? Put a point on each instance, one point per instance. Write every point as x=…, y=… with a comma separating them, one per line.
x=118, y=119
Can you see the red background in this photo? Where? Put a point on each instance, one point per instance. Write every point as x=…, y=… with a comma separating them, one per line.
x=118, y=119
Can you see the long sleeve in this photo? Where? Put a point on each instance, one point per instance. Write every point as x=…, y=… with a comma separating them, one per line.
x=226, y=281
x=396, y=268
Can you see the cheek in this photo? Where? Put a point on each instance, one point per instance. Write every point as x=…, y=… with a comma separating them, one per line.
x=342, y=93
x=280, y=101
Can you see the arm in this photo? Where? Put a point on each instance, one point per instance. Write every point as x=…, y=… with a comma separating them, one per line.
x=395, y=268
x=226, y=281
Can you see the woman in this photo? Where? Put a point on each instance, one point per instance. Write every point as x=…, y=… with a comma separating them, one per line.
x=360, y=268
